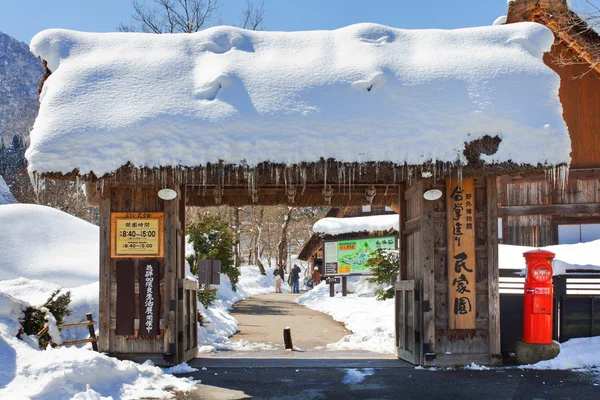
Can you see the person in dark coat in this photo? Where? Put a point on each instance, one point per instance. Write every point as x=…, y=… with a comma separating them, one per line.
x=296, y=278
x=277, y=273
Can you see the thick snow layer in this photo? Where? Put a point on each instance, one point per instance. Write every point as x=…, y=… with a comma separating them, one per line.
x=38, y=242
x=27, y=372
x=568, y=257
x=580, y=353
x=365, y=92
x=6, y=196
x=371, y=321
x=338, y=226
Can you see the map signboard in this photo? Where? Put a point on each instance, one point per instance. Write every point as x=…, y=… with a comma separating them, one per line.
x=349, y=256
x=137, y=234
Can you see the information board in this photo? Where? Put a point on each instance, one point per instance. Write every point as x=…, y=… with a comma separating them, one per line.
x=137, y=235
x=350, y=256
x=460, y=200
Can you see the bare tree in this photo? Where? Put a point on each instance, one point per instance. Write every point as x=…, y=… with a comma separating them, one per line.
x=186, y=16
x=253, y=16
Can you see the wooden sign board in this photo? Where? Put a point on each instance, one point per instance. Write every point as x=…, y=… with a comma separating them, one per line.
x=137, y=235
x=460, y=206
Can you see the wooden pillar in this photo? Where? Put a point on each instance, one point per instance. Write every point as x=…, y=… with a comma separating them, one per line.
x=493, y=268
x=171, y=210
x=104, y=270
x=428, y=287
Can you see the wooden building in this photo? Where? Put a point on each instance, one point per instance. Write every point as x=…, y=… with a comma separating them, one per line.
x=538, y=210
x=240, y=126
x=312, y=251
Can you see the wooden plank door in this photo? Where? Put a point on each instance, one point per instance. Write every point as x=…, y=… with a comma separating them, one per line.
x=407, y=322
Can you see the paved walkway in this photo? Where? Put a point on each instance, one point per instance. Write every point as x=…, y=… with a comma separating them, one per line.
x=262, y=320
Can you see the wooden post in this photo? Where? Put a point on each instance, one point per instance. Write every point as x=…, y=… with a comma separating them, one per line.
x=88, y=316
x=105, y=273
x=332, y=289
x=493, y=268
x=287, y=339
x=344, y=286
x=428, y=289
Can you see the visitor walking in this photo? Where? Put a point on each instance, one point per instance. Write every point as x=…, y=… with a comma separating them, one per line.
x=278, y=274
x=316, y=277
x=296, y=278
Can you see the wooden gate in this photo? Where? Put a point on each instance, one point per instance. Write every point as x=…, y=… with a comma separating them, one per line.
x=408, y=332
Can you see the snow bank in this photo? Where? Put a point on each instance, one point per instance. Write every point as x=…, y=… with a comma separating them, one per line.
x=365, y=92
x=6, y=196
x=71, y=372
x=338, y=226
x=371, y=321
x=39, y=242
x=580, y=353
x=568, y=257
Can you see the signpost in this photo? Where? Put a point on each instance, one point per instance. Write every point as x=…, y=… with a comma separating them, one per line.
x=209, y=273
x=137, y=235
x=349, y=256
x=461, y=253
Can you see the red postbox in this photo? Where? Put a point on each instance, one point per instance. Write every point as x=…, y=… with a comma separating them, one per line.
x=538, y=298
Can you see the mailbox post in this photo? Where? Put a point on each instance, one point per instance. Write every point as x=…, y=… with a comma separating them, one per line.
x=538, y=297
x=537, y=344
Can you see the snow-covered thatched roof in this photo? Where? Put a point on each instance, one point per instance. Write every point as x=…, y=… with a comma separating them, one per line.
x=340, y=226
x=365, y=92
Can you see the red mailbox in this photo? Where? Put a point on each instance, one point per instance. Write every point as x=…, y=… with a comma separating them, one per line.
x=538, y=299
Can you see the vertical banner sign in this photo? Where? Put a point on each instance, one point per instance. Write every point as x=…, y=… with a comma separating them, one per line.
x=149, y=298
x=460, y=206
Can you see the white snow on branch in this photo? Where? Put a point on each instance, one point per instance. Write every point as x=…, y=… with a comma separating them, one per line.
x=338, y=226
x=365, y=92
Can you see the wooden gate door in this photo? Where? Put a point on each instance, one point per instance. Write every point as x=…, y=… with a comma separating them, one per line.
x=407, y=322
x=408, y=297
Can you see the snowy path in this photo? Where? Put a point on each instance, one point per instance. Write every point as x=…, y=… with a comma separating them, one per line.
x=261, y=319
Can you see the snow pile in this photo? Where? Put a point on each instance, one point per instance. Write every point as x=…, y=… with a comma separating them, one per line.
x=339, y=226
x=249, y=96
x=67, y=372
x=371, y=321
x=577, y=353
x=568, y=257
x=354, y=375
x=6, y=196
x=39, y=242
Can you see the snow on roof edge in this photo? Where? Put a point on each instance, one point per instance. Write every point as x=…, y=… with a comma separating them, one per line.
x=339, y=226
x=207, y=118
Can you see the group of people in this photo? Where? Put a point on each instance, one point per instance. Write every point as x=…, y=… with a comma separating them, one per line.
x=293, y=278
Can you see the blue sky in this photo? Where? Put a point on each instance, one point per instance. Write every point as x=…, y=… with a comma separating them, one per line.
x=24, y=18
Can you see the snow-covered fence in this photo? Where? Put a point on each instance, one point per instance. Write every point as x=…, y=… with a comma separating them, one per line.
x=89, y=323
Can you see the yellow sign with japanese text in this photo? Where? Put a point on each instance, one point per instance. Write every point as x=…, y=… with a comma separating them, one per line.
x=460, y=206
x=137, y=234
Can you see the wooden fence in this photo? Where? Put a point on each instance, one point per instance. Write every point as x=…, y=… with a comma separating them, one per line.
x=89, y=323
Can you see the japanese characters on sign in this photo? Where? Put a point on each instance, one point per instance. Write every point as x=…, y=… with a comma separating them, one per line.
x=136, y=235
x=149, y=298
x=461, y=252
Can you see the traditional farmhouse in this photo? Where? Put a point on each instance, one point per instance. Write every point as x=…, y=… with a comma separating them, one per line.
x=534, y=210
x=421, y=121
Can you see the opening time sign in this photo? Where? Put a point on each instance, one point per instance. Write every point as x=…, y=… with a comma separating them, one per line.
x=137, y=234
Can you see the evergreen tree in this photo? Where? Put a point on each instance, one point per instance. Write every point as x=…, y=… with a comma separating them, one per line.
x=212, y=239
x=385, y=266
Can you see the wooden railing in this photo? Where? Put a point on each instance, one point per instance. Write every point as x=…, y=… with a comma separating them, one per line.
x=93, y=339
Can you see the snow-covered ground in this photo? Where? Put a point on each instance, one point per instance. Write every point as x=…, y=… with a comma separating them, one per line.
x=43, y=249
x=371, y=321
x=79, y=373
